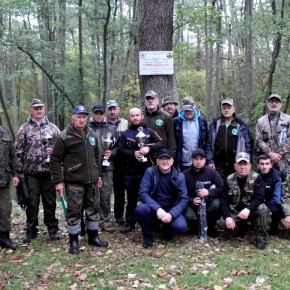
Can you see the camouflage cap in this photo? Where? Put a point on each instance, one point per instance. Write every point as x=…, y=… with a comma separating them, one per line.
x=228, y=101
x=152, y=94
x=36, y=103
x=243, y=156
x=112, y=103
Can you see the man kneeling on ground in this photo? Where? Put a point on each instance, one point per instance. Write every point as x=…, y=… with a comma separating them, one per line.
x=164, y=197
x=243, y=201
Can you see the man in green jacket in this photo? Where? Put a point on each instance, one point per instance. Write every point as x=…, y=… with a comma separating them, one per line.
x=77, y=150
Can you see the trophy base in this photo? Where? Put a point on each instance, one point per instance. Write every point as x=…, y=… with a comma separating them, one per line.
x=143, y=159
x=106, y=163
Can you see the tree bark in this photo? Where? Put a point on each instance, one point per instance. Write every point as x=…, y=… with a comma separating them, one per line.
x=155, y=34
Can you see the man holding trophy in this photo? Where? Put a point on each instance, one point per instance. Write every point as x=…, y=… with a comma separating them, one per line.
x=135, y=145
x=34, y=143
x=106, y=139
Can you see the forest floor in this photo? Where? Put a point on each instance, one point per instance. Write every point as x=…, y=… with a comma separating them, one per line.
x=184, y=263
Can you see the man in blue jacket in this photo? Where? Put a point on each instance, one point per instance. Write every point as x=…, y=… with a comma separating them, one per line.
x=164, y=197
x=228, y=135
x=190, y=129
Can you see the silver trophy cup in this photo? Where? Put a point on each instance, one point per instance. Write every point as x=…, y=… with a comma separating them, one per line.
x=141, y=138
x=46, y=140
x=107, y=144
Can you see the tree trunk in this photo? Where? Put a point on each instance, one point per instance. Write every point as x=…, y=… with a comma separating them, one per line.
x=81, y=72
x=155, y=34
x=249, y=59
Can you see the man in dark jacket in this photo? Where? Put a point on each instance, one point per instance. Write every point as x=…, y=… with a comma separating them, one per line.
x=77, y=150
x=159, y=120
x=212, y=191
x=164, y=196
x=273, y=189
x=134, y=145
x=190, y=129
x=227, y=136
x=107, y=144
x=169, y=105
x=243, y=201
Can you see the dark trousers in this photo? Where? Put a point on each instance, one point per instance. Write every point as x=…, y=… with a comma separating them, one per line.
x=119, y=190
x=132, y=184
x=277, y=214
x=146, y=217
x=212, y=211
x=40, y=184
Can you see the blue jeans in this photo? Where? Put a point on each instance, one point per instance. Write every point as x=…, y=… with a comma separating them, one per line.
x=145, y=218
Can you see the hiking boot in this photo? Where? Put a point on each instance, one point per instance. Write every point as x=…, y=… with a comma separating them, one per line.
x=5, y=241
x=31, y=234
x=127, y=228
x=261, y=243
x=120, y=220
x=54, y=236
x=147, y=242
x=213, y=232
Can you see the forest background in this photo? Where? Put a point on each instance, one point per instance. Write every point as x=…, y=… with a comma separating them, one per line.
x=69, y=52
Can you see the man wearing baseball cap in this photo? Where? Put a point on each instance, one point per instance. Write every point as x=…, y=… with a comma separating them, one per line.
x=273, y=134
x=202, y=181
x=107, y=141
x=243, y=201
x=164, y=196
x=190, y=128
x=119, y=125
x=33, y=150
x=77, y=150
x=159, y=120
x=227, y=136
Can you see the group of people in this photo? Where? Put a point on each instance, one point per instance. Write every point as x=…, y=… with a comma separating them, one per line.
x=163, y=164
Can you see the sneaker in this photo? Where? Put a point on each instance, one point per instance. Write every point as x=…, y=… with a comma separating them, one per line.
x=261, y=243
x=147, y=242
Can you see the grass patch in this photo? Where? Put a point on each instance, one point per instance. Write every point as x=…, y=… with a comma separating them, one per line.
x=182, y=264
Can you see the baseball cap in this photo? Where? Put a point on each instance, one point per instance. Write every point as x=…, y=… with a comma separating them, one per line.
x=243, y=156
x=98, y=108
x=152, y=94
x=188, y=104
x=164, y=152
x=79, y=110
x=36, y=103
x=228, y=101
x=198, y=152
x=112, y=103
x=275, y=96
x=168, y=99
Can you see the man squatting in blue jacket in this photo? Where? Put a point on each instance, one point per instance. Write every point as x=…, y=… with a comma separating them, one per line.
x=164, y=196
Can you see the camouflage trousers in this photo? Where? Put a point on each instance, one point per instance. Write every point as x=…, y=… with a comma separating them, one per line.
x=40, y=185
x=260, y=219
x=5, y=209
x=81, y=197
x=105, y=197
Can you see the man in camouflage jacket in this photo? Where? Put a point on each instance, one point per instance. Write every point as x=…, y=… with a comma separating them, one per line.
x=32, y=150
x=273, y=134
x=243, y=201
x=9, y=169
x=286, y=202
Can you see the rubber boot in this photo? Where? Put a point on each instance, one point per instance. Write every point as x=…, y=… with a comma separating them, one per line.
x=93, y=239
x=73, y=243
